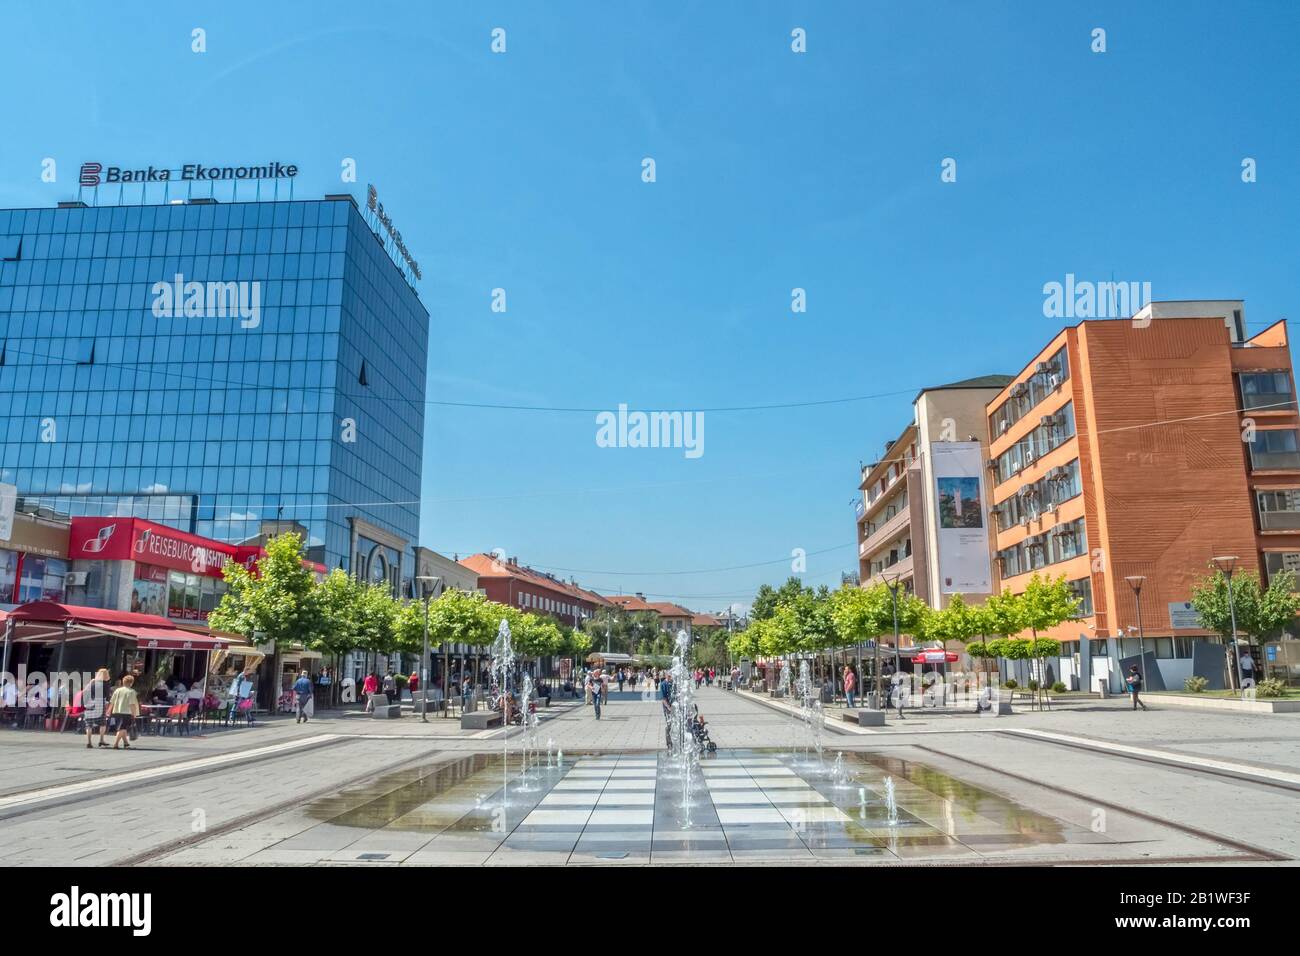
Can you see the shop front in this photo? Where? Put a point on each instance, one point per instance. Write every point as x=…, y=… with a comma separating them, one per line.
x=33, y=560
x=129, y=564
x=58, y=646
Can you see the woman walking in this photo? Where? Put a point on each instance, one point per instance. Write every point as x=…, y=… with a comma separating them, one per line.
x=94, y=702
x=370, y=687
x=850, y=685
x=124, y=706
x=1134, y=681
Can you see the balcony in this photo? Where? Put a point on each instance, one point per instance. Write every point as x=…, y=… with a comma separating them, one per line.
x=1268, y=402
x=1279, y=521
x=1274, y=460
x=902, y=568
x=886, y=532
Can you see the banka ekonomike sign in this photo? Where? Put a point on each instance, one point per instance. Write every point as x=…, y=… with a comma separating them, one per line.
x=95, y=174
x=376, y=209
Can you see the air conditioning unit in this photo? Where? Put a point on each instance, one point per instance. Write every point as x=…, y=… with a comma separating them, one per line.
x=1047, y=421
x=1029, y=456
x=1041, y=368
x=75, y=579
x=1054, y=380
x=1003, y=425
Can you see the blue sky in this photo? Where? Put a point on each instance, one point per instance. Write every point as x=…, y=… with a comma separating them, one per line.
x=522, y=171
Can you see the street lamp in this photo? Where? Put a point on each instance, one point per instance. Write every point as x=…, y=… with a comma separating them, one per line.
x=1135, y=581
x=1227, y=564
x=426, y=667
x=893, y=581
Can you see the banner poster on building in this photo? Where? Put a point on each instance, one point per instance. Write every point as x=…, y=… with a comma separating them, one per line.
x=961, y=522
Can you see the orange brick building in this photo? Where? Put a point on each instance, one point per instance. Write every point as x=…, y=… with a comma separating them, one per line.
x=1145, y=446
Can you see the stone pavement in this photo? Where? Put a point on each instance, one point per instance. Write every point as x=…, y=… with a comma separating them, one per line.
x=243, y=795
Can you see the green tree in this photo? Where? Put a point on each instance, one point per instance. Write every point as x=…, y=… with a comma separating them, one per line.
x=766, y=599
x=280, y=601
x=1259, y=611
x=340, y=598
x=764, y=603
x=862, y=614
x=1045, y=603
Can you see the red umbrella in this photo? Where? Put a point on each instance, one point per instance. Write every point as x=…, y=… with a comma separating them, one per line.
x=934, y=655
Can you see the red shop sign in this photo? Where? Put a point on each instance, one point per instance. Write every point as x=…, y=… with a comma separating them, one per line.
x=134, y=539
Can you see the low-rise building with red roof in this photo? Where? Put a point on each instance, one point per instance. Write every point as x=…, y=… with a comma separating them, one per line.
x=509, y=582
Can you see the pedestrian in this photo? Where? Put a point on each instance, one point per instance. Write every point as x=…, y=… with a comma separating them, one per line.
x=390, y=686
x=302, y=696
x=124, y=706
x=413, y=683
x=899, y=693
x=1247, y=669
x=370, y=687
x=622, y=676
x=1134, y=681
x=850, y=685
x=94, y=704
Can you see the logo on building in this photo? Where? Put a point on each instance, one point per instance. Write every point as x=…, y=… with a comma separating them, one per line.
x=100, y=541
x=143, y=542
x=377, y=209
x=93, y=174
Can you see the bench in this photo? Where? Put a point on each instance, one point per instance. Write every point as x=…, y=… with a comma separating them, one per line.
x=865, y=718
x=381, y=709
x=480, y=720
x=434, y=705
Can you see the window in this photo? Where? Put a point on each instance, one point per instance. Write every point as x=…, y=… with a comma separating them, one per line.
x=1047, y=378
x=1082, y=589
x=1277, y=561
x=1059, y=544
x=1279, y=510
x=11, y=248
x=1266, y=391
x=1274, y=449
x=1052, y=432
x=1098, y=648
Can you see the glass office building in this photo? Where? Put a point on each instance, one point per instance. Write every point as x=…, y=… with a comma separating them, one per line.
x=304, y=410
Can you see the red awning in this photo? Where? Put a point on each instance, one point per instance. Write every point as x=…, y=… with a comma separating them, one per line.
x=43, y=620
x=934, y=656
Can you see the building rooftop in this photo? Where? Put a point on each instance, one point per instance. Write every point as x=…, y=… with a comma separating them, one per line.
x=487, y=566
x=668, y=609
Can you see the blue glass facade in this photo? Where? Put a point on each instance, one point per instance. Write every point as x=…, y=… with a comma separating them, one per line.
x=219, y=425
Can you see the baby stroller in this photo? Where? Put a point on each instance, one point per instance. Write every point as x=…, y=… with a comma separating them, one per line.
x=700, y=730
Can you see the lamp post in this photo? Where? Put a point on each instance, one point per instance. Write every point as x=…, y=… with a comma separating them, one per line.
x=1135, y=581
x=1227, y=564
x=893, y=582
x=426, y=666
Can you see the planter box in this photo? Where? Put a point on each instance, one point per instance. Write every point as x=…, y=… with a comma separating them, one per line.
x=1282, y=705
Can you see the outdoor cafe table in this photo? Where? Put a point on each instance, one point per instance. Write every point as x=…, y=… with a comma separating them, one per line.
x=151, y=712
